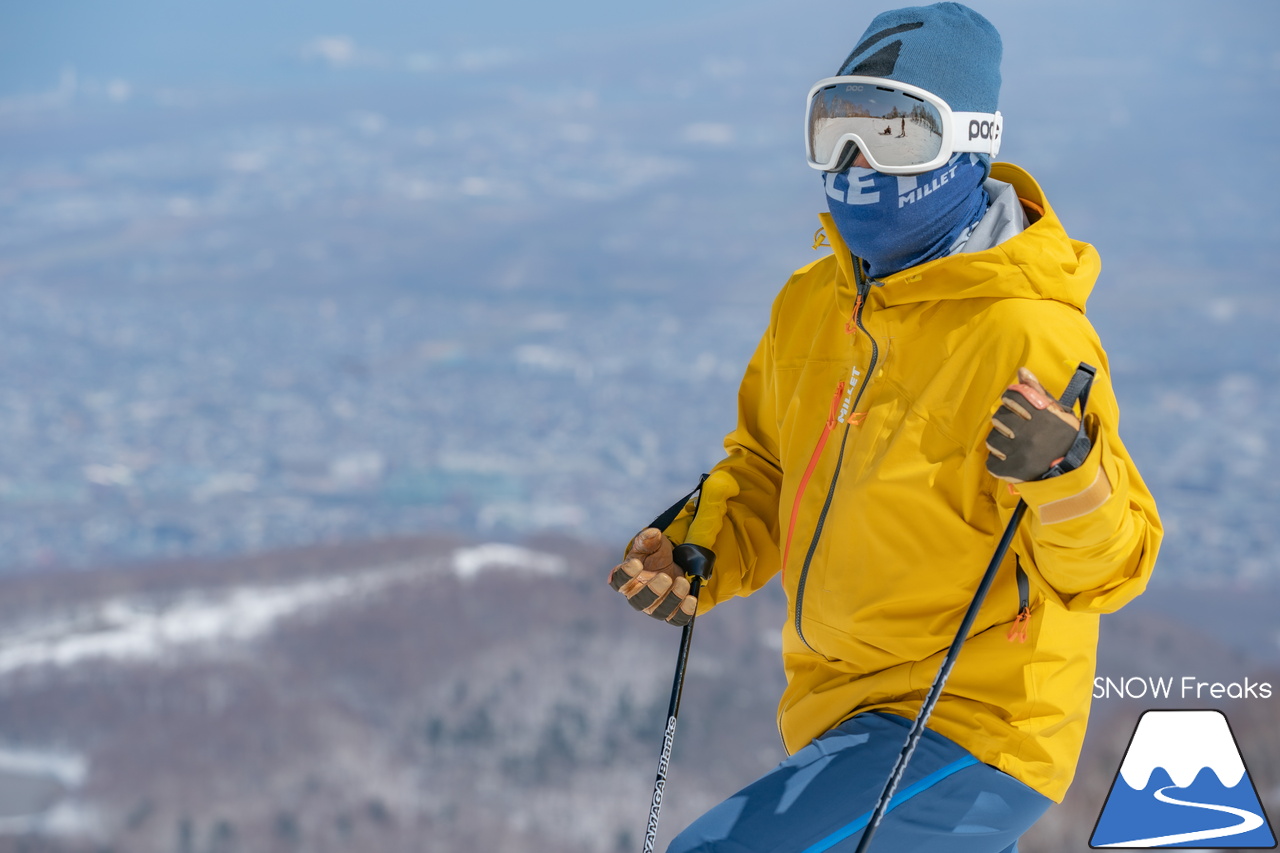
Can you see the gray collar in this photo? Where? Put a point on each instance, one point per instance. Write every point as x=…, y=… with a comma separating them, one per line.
x=1003, y=219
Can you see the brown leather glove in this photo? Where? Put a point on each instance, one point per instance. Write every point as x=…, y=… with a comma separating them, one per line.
x=1031, y=433
x=651, y=580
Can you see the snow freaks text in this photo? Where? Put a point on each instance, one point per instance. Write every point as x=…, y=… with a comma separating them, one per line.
x=1184, y=687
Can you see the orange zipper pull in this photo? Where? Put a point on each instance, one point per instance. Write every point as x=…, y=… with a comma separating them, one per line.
x=1018, y=630
x=834, y=414
x=851, y=327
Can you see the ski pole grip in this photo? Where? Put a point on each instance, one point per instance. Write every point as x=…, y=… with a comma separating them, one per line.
x=694, y=560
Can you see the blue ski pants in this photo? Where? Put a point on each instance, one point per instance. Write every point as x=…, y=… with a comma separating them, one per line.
x=821, y=798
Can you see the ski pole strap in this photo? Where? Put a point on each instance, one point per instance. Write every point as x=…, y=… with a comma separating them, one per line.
x=1077, y=389
x=663, y=521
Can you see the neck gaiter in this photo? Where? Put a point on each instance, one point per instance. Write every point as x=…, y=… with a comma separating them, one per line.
x=893, y=222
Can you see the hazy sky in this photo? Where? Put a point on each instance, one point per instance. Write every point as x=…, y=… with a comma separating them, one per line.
x=239, y=41
x=199, y=41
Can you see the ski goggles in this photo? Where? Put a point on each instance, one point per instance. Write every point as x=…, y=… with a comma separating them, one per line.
x=900, y=129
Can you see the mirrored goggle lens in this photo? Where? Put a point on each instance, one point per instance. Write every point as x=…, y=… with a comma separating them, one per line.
x=895, y=129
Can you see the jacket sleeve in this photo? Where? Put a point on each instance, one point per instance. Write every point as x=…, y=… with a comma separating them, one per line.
x=742, y=519
x=1091, y=536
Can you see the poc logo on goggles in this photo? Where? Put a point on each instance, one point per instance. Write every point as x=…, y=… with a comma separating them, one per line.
x=984, y=130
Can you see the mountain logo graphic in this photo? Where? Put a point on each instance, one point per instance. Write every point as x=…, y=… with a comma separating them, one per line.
x=1183, y=783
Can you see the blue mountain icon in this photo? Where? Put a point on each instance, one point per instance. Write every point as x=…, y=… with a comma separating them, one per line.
x=1183, y=783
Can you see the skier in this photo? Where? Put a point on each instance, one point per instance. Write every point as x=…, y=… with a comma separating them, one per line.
x=903, y=132
x=868, y=471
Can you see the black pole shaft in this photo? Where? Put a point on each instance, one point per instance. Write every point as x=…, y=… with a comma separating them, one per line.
x=935, y=691
x=669, y=734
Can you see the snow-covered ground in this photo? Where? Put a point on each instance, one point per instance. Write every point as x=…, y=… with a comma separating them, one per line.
x=34, y=784
x=469, y=562
x=890, y=149
x=142, y=628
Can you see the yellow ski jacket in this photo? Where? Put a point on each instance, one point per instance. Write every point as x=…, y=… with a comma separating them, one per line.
x=858, y=472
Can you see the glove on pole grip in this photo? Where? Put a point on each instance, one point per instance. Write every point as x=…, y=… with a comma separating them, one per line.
x=694, y=560
x=697, y=561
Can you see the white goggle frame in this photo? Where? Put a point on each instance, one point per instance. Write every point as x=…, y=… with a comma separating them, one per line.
x=961, y=131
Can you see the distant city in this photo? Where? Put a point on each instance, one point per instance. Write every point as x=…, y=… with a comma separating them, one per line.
x=258, y=337
x=234, y=321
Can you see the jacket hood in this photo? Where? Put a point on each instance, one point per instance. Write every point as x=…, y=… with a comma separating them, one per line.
x=1040, y=263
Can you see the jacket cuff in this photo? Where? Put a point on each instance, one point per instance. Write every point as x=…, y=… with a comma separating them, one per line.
x=1071, y=497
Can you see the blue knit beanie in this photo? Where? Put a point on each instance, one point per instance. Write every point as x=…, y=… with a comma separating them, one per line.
x=947, y=49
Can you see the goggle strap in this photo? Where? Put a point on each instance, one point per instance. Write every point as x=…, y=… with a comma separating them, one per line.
x=977, y=132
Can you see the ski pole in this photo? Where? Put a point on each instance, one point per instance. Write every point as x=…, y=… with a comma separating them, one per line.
x=697, y=561
x=935, y=691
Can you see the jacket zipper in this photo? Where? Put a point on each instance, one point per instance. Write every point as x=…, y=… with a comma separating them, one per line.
x=827, y=428
x=864, y=287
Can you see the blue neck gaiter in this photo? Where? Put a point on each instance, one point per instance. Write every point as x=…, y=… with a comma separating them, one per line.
x=894, y=222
